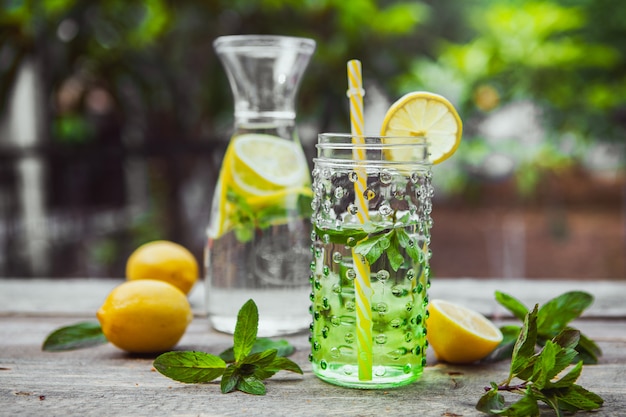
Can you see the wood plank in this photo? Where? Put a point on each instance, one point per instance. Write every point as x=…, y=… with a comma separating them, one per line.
x=105, y=381
x=83, y=297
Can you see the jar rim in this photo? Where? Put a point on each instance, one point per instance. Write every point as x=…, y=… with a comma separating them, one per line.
x=350, y=140
x=394, y=150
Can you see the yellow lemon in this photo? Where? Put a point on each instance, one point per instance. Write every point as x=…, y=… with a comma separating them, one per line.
x=221, y=210
x=166, y=261
x=145, y=316
x=458, y=334
x=265, y=164
x=262, y=171
x=423, y=114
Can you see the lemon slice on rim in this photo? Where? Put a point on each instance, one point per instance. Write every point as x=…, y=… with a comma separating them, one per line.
x=426, y=115
x=458, y=334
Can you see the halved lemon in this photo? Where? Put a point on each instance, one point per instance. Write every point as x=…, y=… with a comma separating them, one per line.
x=458, y=334
x=264, y=164
x=262, y=170
x=424, y=114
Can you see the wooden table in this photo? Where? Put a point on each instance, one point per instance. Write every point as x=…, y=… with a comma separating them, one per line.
x=105, y=381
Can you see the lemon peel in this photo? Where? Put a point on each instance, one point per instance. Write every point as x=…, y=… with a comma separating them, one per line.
x=166, y=261
x=145, y=316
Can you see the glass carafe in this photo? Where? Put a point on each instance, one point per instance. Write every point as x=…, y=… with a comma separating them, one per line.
x=259, y=227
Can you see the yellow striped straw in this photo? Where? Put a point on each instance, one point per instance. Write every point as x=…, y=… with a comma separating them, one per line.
x=362, y=285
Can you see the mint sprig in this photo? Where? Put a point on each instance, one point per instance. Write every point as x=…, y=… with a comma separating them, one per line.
x=539, y=376
x=246, y=219
x=283, y=348
x=389, y=242
x=552, y=318
x=248, y=368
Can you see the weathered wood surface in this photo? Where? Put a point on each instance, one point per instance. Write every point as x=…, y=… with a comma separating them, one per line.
x=104, y=381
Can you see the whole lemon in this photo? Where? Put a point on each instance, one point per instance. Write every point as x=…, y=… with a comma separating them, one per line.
x=145, y=316
x=165, y=261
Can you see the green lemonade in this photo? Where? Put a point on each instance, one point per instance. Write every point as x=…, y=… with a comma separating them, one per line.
x=399, y=281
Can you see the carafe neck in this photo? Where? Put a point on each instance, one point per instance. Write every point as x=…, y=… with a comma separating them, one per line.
x=264, y=74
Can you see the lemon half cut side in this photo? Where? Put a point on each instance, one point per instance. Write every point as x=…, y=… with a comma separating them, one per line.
x=263, y=164
x=458, y=334
x=424, y=114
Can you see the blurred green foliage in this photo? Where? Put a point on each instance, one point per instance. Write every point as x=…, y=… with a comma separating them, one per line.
x=155, y=60
x=144, y=74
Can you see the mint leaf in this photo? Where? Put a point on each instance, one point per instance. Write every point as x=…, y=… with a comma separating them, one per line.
x=304, y=205
x=578, y=398
x=245, y=330
x=284, y=364
x=278, y=364
x=242, y=217
x=190, y=367
x=492, y=401
x=410, y=246
x=251, y=385
x=542, y=367
x=246, y=219
x=77, y=336
x=260, y=359
x=588, y=350
x=524, y=407
x=568, y=338
x=565, y=344
x=373, y=247
x=512, y=304
x=244, y=232
x=524, y=348
x=563, y=360
x=553, y=316
x=569, y=379
x=270, y=215
x=340, y=236
x=393, y=254
x=283, y=348
x=230, y=379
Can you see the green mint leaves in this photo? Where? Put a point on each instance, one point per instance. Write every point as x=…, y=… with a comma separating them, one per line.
x=251, y=360
x=77, y=336
x=389, y=243
x=190, y=367
x=539, y=374
x=247, y=219
x=552, y=318
x=283, y=348
x=242, y=367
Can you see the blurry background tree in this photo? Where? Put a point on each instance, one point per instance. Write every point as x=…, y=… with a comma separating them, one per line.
x=138, y=109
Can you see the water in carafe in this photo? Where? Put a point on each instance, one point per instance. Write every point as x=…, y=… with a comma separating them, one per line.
x=259, y=228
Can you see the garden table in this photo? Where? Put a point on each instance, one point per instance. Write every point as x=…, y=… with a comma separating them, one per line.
x=104, y=381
